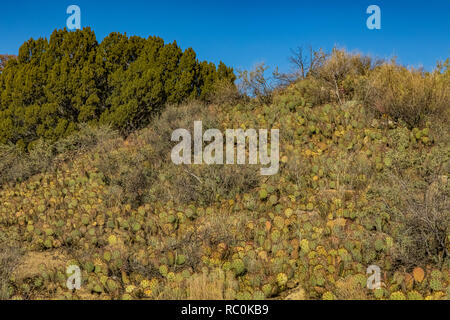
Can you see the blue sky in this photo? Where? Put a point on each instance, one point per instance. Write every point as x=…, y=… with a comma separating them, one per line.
x=242, y=33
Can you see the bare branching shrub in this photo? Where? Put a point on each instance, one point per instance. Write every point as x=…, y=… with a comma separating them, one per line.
x=185, y=184
x=255, y=84
x=159, y=134
x=131, y=172
x=307, y=62
x=336, y=69
x=415, y=193
x=144, y=170
x=127, y=175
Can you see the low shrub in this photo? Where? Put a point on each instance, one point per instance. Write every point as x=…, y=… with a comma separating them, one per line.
x=204, y=184
x=255, y=84
x=17, y=165
x=416, y=194
x=334, y=77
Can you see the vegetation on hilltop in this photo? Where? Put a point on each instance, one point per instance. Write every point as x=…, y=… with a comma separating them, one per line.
x=363, y=181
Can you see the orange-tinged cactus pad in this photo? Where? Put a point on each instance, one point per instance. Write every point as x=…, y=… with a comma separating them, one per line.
x=418, y=274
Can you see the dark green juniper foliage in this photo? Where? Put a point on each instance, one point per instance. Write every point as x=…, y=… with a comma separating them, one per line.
x=54, y=85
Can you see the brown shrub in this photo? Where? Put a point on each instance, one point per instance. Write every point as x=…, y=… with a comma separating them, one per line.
x=16, y=165
x=255, y=84
x=205, y=184
x=196, y=183
x=424, y=222
x=406, y=94
x=415, y=193
x=333, y=77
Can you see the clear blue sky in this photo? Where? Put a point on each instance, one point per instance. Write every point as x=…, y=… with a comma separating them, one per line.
x=242, y=33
